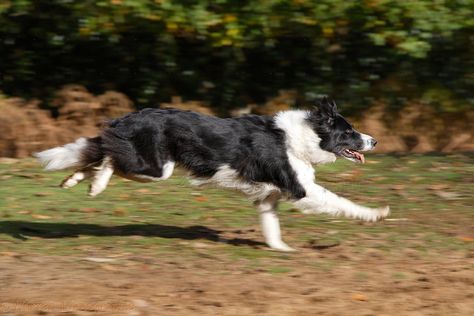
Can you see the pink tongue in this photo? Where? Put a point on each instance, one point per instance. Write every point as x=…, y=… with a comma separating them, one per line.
x=359, y=156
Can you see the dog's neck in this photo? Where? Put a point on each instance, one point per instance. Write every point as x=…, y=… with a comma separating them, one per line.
x=302, y=141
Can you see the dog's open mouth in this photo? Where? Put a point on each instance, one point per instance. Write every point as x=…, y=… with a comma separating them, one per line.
x=353, y=155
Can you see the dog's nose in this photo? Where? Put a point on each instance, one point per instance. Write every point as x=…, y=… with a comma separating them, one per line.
x=373, y=142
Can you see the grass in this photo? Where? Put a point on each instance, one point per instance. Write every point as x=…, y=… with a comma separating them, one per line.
x=430, y=196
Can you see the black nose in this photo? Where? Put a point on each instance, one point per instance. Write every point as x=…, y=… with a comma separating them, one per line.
x=373, y=142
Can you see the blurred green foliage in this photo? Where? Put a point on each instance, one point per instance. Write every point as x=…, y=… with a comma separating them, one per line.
x=230, y=52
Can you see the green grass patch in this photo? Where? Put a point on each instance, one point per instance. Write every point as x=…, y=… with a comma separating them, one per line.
x=430, y=197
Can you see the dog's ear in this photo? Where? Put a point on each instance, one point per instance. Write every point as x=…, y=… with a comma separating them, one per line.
x=326, y=108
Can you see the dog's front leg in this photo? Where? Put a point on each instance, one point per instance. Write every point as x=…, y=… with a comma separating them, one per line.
x=270, y=223
x=320, y=200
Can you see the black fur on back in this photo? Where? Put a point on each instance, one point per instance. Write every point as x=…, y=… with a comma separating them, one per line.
x=140, y=143
x=92, y=153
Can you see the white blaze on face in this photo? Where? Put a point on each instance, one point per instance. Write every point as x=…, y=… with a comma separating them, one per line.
x=368, y=141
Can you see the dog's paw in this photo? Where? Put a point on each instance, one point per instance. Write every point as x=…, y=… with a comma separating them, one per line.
x=383, y=212
x=284, y=249
x=95, y=189
x=280, y=246
x=375, y=214
x=69, y=182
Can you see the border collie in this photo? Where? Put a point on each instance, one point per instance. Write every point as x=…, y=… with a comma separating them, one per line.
x=266, y=157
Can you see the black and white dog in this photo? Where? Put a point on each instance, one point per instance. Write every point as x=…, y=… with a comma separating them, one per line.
x=266, y=157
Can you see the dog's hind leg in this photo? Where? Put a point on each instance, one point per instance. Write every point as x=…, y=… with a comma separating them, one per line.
x=102, y=176
x=270, y=222
x=76, y=178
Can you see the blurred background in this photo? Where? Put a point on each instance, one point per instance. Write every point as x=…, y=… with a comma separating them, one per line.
x=403, y=70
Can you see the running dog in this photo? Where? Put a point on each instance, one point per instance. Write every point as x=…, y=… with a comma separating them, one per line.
x=265, y=157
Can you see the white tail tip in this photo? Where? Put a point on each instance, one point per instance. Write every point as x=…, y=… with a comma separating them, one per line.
x=63, y=157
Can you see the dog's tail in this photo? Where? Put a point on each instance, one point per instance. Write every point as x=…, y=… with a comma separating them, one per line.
x=83, y=152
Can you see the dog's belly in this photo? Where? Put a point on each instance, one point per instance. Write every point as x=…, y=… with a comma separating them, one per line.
x=165, y=172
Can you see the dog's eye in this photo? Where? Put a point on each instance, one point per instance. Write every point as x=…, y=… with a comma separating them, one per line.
x=348, y=131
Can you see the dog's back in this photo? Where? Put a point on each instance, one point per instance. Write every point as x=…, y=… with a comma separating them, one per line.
x=146, y=145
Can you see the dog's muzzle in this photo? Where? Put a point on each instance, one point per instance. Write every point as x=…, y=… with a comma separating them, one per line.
x=368, y=141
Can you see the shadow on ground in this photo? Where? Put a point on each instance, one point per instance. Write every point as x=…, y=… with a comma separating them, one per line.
x=22, y=230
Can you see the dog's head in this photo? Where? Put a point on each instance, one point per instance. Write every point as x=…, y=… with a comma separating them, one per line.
x=337, y=135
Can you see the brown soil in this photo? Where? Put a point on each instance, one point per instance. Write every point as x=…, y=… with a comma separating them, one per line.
x=371, y=283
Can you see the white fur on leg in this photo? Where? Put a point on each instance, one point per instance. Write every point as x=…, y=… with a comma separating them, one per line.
x=101, y=177
x=75, y=178
x=271, y=231
x=271, y=224
x=320, y=200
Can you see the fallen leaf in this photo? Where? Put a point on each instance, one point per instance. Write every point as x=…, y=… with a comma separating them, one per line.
x=201, y=199
x=88, y=209
x=359, y=297
x=438, y=186
x=120, y=212
x=42, y=194
x=373, y=162
x=39, y=216
x=143, y=190
x=99, y=260
x=109, y=267
x=466, y=238
x=398, y=187
x=9, y=254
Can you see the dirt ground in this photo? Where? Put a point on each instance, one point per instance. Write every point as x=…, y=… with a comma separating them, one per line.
x=368, y=284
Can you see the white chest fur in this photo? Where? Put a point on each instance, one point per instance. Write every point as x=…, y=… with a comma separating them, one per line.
x=302, y=141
